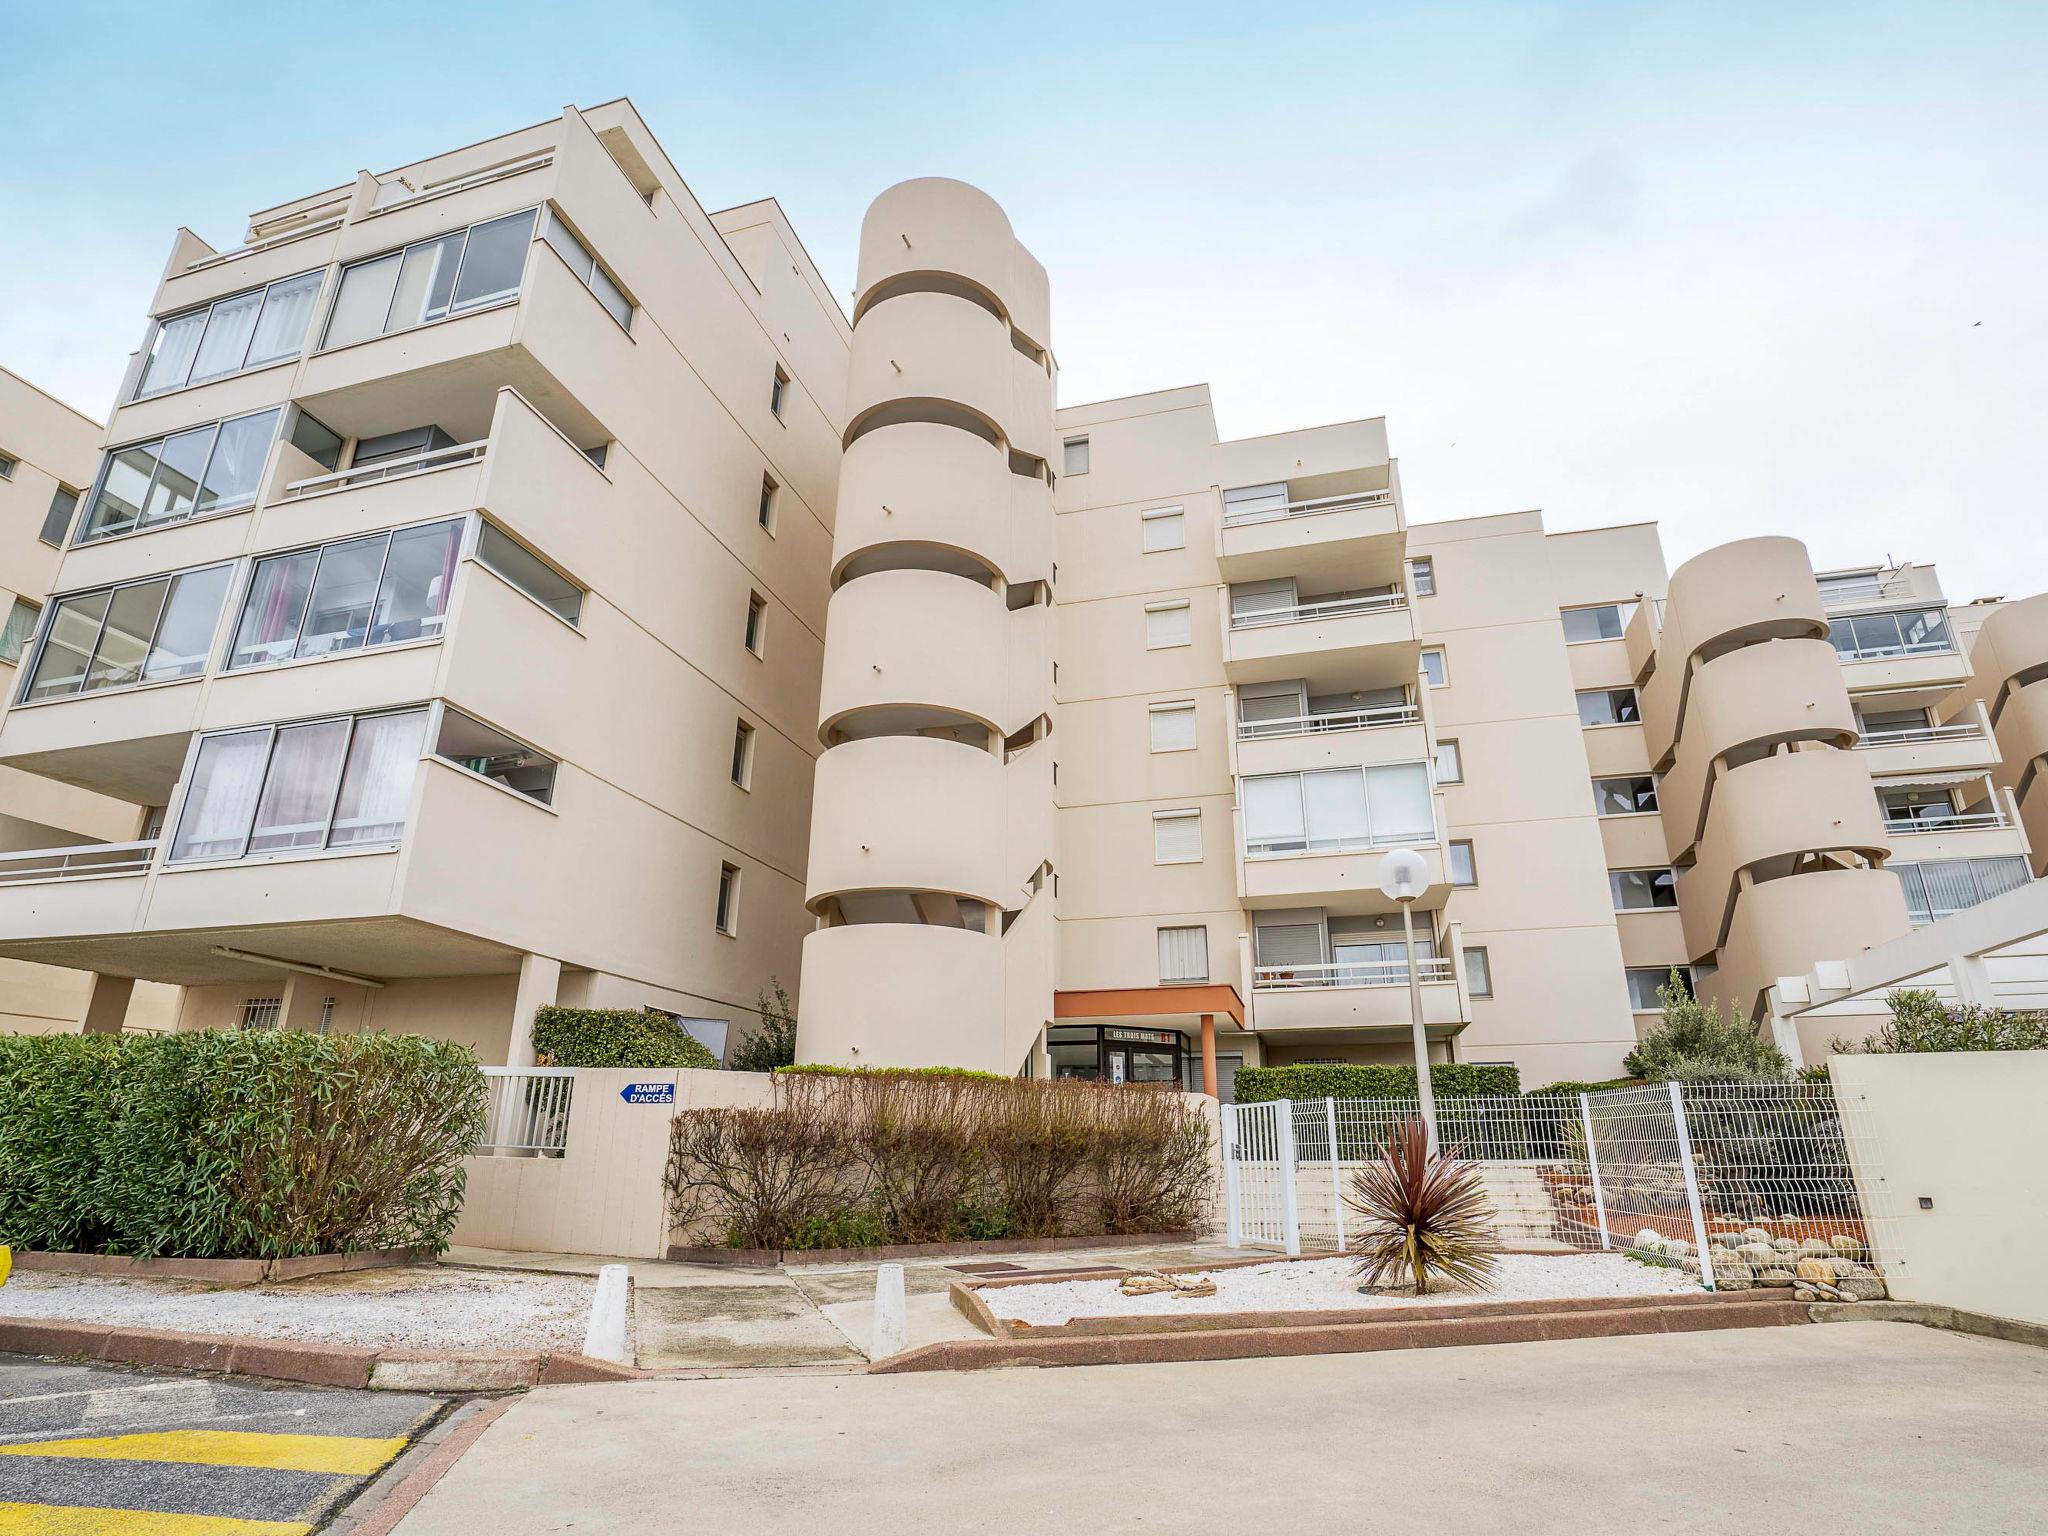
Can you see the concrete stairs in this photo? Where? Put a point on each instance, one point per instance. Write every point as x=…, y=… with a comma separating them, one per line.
x=1522, y=1210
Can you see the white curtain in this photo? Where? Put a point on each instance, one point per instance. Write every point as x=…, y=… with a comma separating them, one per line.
x=298, y=791
x=287, y=308
x=227, y=336
x=222, y=798
x=376, y=787
x=1401, y=807
x=1184, y=954
x=170, y=360
x=1335, y=802
x=1272, y=813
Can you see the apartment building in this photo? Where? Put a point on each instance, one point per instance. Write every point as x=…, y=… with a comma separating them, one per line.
x=47, y=454
x=450, y=592
x=506, y=582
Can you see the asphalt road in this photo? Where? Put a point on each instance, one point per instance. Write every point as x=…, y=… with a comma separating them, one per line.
x=89, y=1450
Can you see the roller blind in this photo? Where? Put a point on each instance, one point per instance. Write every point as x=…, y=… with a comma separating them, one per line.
x=1289, y=944
x=1165, y=528
x=1272, y=813
x=1399, y=796
x=1167, y=625
x=1173, y=728
x=1176, y=836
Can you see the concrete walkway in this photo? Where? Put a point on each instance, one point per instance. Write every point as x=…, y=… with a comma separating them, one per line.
x=704, y=1317
x=1869, y=1428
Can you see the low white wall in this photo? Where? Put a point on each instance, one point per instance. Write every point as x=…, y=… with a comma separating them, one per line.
x=1965, y=1130
x=604, y=1195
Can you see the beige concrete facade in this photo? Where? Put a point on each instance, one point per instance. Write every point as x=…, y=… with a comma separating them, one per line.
x=507, y=582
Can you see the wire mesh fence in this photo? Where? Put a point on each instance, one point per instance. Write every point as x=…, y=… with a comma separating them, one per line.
x=1756, y=1175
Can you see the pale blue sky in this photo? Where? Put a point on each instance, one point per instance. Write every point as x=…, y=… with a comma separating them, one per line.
x=1721, y=266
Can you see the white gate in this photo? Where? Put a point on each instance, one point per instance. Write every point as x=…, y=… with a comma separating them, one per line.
x=1258, y=1176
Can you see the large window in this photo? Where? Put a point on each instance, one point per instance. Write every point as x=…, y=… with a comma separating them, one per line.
x=187, y=474
x=1640, y=890
x=382, y=589
x=1634, y=795
x=431, y=280
x=1332, y=810
x=145, y=632
x=336, y=783
x=247, y=330
x=529, y=573
x=487, y=751
x=1609, y=706
x=1644, y=980
x=587, y=267
x=1941, y=886
x=1606, y=621
x=1910, y=633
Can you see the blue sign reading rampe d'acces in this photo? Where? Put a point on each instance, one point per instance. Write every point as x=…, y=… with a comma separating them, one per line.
x=648, y=1093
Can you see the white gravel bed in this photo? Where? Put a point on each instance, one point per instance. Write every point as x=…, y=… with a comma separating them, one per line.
x=425, y=1309
x=1328, y=1285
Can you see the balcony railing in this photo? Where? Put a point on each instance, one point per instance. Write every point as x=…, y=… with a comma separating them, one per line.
x=1877, y=652
x=1285, y=847
x=1322, y=504
x=1349, y=973
x=30, y=865
x=1339, y=720
x=390, y=469
x=1877, y=587
x=1330, y=608
x=1921, y=733
x=1955, y=821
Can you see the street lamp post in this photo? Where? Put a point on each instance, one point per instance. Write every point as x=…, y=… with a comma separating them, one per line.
x=1403, y=878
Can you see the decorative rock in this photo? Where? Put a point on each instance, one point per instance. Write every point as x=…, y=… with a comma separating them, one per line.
x=1805, y=1293
x=1814, y=1248
x=1757, y=1254
x=1861, y=1288
x=1730, y=1276
x=1784, y=1245
x=1815, y=1271
x=1847, y=1247
x=1689, y=1264
x=1843, y=1268
x=1756, y=1235
x=1725, y=1239
x=1677, y=1247
x=1649, y=1241
x=1775, y=1277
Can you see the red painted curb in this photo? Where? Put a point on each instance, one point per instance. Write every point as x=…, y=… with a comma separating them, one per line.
x=419, y=1482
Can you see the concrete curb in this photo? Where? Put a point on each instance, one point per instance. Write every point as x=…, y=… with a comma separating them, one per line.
x=382, y=1509
x=216, y=1271
x=773, y=1258
x=317, y=1365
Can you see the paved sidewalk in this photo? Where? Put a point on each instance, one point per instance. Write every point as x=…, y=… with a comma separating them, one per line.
x=1867, y=1428
x=707, y=1317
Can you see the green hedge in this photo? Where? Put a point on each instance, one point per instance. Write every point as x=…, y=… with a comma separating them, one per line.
x=615, y=1037
x=234, y=1144
x=1577, y=1088
x=1450, y=1080
x=826, y=1069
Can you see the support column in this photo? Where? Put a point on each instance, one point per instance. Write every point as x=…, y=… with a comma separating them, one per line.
x=106, y=1005
x=1209, y=1056
x=540, y=982
x=1972, y=978
x=304, y=1000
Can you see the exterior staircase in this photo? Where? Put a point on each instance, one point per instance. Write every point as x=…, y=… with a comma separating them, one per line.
x=1522, y=1213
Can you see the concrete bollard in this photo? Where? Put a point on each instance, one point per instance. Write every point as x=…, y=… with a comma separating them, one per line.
x=605, y=1338
x=891, y=1329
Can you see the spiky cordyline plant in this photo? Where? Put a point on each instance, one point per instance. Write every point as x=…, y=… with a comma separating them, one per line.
x=1427, y=1217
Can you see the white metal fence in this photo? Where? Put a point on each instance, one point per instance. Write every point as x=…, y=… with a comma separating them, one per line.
x=1756, y=1174
x=529, y=1110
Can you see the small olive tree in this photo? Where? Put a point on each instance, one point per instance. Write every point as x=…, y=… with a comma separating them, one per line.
x=1696, y=1041
x=774, y=1043
x=1920, y=1021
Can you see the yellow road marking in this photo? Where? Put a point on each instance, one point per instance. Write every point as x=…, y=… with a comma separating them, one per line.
x=226, y=1448
x=50, y=1520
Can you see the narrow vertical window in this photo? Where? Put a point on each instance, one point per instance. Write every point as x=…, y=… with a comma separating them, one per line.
x=1074, y=456
x=1433, y=667
x=778, y=393
x=742, y=754
x=765, y=516
x=757, y=622
x=728, y=915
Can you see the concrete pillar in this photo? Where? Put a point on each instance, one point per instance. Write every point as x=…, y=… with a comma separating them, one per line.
x=1972, y=978
x=1209, y=1055
x=304, y=1000
x=106, y=1005
x=540, y=982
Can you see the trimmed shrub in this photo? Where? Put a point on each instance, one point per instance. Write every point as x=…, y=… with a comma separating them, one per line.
x=873, y=1158
x=1575, y=1089
x=1448, y=1080
x=615, y=1037
x=956, y=1074
x=234, y=1144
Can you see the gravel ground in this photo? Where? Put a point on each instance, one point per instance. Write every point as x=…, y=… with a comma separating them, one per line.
x=416, y=1309
x=1328, y=1285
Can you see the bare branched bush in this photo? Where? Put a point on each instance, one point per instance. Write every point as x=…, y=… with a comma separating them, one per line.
x=919, y=1141
x=1150, y=1161
x=762, y=1176
x=1036, y=1139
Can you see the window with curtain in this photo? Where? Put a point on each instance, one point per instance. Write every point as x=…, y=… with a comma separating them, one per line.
x=1422, y=575
x=1173, y=727
x=431, y=280
x=1074, y=456
x=339, y=782
x=381, y=589
x=21, y=627
x=144, y=632
x=1167, y=624
x=1450, y=767
x=1464, y=868
x=1176, y=837
x=244, y=330
x=1433, y=669
x=1164, y=528
x=1332, y=810
x=1183, y=954
x=1939, y=887
x=187, y=474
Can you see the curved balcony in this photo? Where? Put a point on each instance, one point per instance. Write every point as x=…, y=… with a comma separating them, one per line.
x=934, y=227
x=1765, y=814
x=902, y=644
x=1746, y=701
x=901, y=995
x=1782, y=927
x=1737, y=594
x=908, y=813
x=935, y=347
x=924, y=493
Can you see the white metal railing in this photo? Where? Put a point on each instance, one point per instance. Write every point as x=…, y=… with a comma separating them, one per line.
x=529, y=1109
x=1336, y=720
x=1973, y=821
x=390, y=469
x=1269, y=847
x=1329, y=608
x=1350, y=973
x=296, y=232
x=1877, y=587
x=1903, y=648
x=76, y=863
x=1919, y=733
x=1321, y=504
